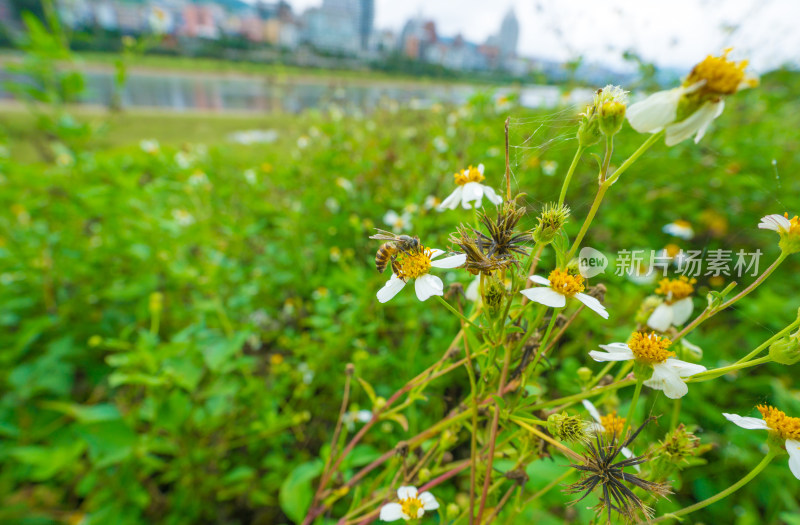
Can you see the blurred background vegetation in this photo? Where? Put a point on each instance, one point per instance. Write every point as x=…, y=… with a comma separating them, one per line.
x=178, y=308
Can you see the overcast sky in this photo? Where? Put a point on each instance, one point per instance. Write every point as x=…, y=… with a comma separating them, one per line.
x=669, y=32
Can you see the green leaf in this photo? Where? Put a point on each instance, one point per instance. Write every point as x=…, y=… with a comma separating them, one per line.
x=368, y=389
x=296, y=490
x=84, y=413
x=109, y=441
x=220, y=351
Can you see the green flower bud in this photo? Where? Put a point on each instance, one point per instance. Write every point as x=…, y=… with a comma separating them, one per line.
x=494, y=293
x=612, y=115
x=584, y=374
x=786, y=350
x=453, y=511
x=551, y=220
x=424, y=475
x=589, y=132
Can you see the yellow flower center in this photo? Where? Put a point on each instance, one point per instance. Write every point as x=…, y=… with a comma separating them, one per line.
x=650, y=348
x=721, y=76
x=564, y=283
x=612, y=424
x=786, y=427
x=675, y=289
x=413, y=264
x=794, y=229
x=468, y=175
x=411, y=507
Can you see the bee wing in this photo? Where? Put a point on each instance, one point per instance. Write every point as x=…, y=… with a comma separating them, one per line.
x=383, y=235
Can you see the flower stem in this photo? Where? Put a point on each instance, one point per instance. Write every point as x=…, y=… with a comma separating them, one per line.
x=632, y=409
x=723, y=494
x=568, y=176
x=634, y=157
x=456, y=312
x=717, y=372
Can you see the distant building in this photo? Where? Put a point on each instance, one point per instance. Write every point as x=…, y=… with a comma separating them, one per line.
x=334, y=26
x=508, y=37
x=131, y=18
x=202, y=21
x=366, y=19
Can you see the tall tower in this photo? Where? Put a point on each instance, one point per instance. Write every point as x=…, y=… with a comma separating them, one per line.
x=508, y=36
x=366, y=19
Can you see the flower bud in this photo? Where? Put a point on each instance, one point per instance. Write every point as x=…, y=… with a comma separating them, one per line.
x=786, y=350
x=567, y=428
x=584, y=374
x=156, y=303
x=589, y=132
x=494, y=292
x=612, y=115
x=551, y=220
x=424, y=475
x=453, y=511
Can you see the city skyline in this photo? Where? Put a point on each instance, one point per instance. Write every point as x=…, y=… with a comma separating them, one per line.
x=674, y=35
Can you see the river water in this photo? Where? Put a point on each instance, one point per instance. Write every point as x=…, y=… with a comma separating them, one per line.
x=209, y=92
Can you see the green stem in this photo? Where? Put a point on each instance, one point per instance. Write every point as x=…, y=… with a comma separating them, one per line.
x=717, y=372
x=725, y=493
x=568, y=177
x=456, y=312
x=768, y=342
x=676, y=412
x=574, y=398
x=709, y=313
x=632, y=409
x=543, y=342
x=634, y=157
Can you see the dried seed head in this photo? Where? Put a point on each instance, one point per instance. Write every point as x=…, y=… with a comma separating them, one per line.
x=565, y=427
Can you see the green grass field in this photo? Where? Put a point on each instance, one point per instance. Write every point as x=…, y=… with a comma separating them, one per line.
x=176, y=323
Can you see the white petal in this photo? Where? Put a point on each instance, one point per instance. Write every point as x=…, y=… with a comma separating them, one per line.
x=480, y=168
x=493, y=197
x=428, y=285
x=545, y=296
x=591, y=409
x=390, y=217
x=683, y=368
x=750, y=423
x=775, y=222
x=390, y=289
x=428, y=501
x=611, y=356
x=661, y=318
x=473, y=192
x=452, y=200
x=694, y=123
x=406, y=492
x=666, y=378
x=454, y=261
x=654, y=112
x=702, y=131
x=592, y=304
x=793, y=448
x=538, y=279
x=392, y=512
x=471, y=293
x=617, y=347
x=682, y=310
x=435, y=252
x=628, y=453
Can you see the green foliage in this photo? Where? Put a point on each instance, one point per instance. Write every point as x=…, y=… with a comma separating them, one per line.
x=216, y=400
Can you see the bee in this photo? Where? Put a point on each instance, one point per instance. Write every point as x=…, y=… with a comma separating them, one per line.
x=395, y=244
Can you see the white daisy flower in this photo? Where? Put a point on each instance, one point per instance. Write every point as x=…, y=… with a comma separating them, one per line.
x=415, y=265
x=558, y=287
x=159, y=20
x=677, y=306
x=150, y=146
x=549, y=167
x=788, y=229
x=780, y=426
x=681, y=229
x=183, y=217
x=668, y=373
x=397, y=221
x=610, y=424
x=470, y=190
x=700, y=100
x=412, y=506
